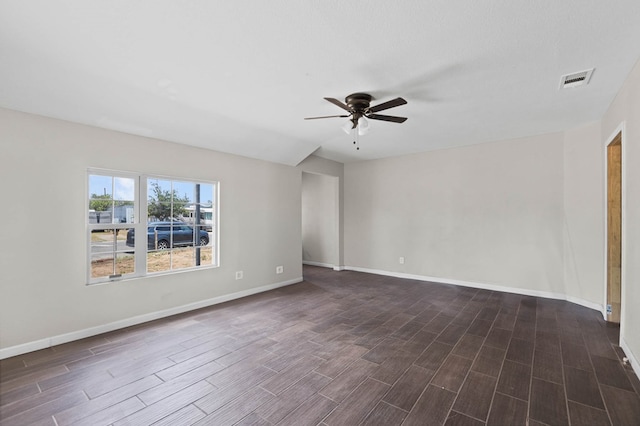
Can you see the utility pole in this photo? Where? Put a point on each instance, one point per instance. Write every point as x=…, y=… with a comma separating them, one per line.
x=196, y=229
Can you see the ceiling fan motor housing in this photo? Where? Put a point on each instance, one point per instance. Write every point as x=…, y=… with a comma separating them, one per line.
x=358, y=102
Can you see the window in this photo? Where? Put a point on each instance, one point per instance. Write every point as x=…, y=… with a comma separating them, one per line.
x=112, y=207
x=177, y=219
x=178, y=236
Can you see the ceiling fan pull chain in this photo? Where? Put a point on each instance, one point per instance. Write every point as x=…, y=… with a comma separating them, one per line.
x=356, y=138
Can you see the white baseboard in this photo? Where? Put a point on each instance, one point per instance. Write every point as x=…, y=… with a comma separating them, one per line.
x=583, y=302
x=630, y=355
x=323, y=265
x=128, y=322
x=524, y=292
x=312, y=263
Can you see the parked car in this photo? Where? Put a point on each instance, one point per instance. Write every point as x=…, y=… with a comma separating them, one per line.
x=162, y=235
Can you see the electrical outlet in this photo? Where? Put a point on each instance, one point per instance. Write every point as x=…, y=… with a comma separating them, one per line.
x=239, y=275
x=279, y=269
x=401, y=260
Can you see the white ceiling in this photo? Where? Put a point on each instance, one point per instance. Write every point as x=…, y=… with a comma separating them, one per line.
x=239, y=76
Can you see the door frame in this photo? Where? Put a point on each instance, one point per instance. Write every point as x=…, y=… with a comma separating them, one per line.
x=620, y=129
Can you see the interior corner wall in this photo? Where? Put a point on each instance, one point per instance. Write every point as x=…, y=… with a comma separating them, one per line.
x=489, y=214
x=319, y=221
x=625, y=112
x=43, y=258
x=584, y=214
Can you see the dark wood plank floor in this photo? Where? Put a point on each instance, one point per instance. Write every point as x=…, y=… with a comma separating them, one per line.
x=341, y=348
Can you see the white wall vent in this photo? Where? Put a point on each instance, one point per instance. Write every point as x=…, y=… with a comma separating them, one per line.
x=576, y=79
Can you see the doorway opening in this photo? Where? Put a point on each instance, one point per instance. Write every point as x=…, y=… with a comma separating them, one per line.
x=320, y=220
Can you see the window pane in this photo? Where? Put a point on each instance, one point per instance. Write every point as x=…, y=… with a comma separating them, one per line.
x=124, y=189
x=182, y=258
x=100, y=199
x=103, y=190
x=159, y=196
x=184, y=191
x=103, y=245
x=206, y=255
x=158, y=261
x=100, y=216
x=102, y=266
x=204, y=237
x=121, y=239
x=158, y=189
x=123, y=212
x=159, y=237
x=100, y=186
x=103, y=242
x=203, y=203
x=160, y=211
x=206, y=193
x=130, y=238
x=110, y=254
x=125, y=263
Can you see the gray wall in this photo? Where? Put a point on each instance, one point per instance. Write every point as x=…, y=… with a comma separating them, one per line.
x=584, y=213
x=489, y=213
x=43, y=256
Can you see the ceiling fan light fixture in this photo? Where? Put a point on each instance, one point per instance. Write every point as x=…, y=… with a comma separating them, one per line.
x=363, y=126
x=347, y=127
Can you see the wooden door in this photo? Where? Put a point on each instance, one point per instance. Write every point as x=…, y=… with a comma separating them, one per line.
x=614, y=228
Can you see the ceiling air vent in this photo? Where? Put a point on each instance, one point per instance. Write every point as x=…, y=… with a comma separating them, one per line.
x=575, y=79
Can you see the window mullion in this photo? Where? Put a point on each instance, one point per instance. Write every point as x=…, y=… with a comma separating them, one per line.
x=141, y=227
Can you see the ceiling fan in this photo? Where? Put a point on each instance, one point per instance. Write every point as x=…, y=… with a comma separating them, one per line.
x=358, y=106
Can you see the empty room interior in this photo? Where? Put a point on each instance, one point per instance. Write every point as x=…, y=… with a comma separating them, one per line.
x=355, y=213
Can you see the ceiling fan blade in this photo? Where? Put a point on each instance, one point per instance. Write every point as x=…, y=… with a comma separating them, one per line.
x=387, y=118
x=389, y=104
x=326, y=116
x=338, y=103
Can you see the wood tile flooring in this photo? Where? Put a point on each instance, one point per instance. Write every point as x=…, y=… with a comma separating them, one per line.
x=341, y=348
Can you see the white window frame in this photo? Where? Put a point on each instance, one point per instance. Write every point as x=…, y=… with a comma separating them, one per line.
x=140, y=225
